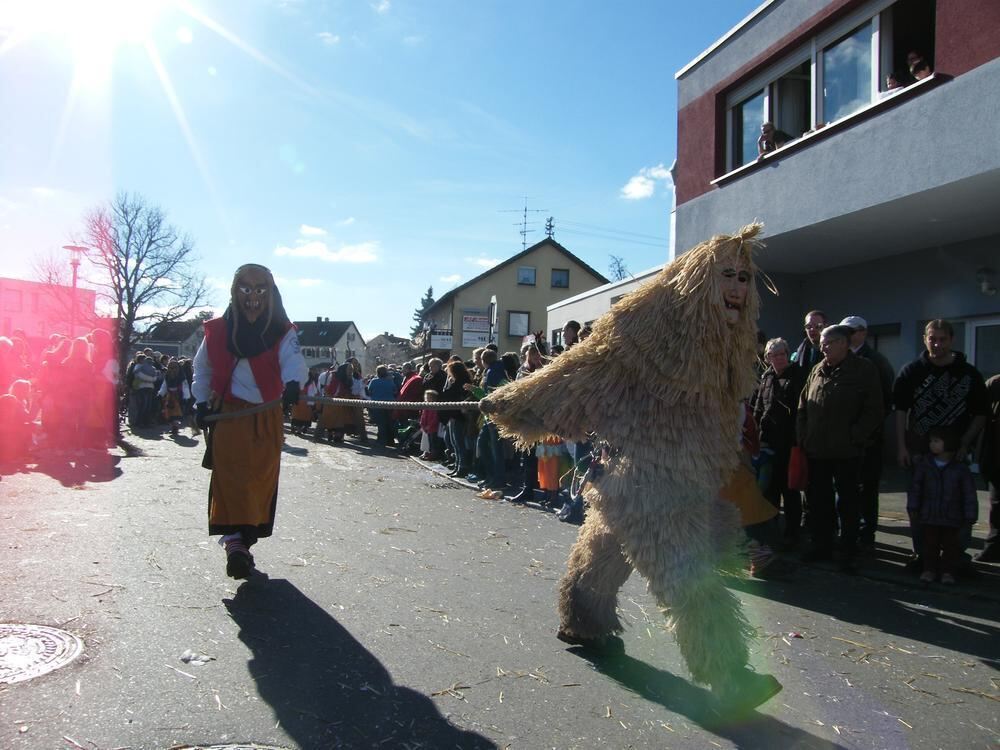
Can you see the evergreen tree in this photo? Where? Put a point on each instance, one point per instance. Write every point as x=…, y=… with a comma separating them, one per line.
x=418, y=314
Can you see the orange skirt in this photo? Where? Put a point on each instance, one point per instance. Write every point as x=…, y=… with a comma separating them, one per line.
x=336, y=417
x=246, y=458
x=302, y=412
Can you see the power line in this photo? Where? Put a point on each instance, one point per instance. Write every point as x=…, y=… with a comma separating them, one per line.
x=615, y=231
x=661, y=244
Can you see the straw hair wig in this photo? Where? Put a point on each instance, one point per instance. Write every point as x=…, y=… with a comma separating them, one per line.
x=661, y=378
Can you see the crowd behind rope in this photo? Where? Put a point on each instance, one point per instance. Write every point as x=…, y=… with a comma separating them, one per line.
x=62, y=397
x=826, y=401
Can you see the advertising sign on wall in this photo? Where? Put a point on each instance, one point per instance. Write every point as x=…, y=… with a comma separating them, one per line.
x=475, y=320
x=441, y=340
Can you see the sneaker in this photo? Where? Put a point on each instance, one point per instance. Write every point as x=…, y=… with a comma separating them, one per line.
x=744, y=690
x=928, y=577
x=989, y=555
x=522, y=497
x=947, y=579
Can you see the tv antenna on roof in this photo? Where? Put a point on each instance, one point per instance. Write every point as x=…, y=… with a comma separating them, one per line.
x=524, y=231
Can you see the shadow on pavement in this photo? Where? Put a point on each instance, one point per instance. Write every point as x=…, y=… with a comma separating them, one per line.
x=184, y=441
x=755, y=730
x=910, y=613
x=323, y=686
x=75, y=468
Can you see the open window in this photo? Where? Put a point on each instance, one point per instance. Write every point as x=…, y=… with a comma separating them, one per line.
x=835, y=74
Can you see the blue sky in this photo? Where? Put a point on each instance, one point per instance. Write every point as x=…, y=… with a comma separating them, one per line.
x=362, y=150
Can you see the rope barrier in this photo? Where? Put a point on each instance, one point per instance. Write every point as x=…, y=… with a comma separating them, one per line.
x=404, y=405
x=243, y=412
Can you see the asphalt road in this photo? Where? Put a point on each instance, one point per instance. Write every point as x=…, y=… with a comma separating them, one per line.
x=397, y=610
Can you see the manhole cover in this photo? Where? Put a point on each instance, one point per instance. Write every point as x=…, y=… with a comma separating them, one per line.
x=28, y=651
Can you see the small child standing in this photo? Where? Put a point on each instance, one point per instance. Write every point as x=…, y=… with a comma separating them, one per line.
x=942, y=498
x=429, y=423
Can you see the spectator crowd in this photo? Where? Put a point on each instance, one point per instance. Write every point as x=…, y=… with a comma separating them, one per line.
x=813, y=431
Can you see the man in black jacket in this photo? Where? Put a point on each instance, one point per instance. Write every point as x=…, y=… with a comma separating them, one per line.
x=940, y=388
x=839, y=410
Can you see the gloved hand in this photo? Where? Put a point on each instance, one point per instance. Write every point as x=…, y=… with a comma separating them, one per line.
x=291, y=394
x=200, y=412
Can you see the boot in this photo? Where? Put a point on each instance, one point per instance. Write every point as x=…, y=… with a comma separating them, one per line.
x=742, y=691
x=523, y=496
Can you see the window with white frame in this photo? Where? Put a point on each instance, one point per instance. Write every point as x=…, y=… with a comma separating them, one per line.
x=518, y=322
x=835, y=74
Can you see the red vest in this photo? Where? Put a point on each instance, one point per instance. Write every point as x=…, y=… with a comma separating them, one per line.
x=265, y=366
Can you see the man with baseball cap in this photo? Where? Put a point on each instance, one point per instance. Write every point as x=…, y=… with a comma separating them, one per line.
x=871, y=466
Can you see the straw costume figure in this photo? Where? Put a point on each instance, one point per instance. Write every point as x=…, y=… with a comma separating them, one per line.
x=661, y=380
x=248, y=359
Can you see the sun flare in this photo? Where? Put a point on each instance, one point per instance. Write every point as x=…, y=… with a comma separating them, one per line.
x=92, y=31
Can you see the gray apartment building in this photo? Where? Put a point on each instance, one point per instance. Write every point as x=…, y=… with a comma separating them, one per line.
x=881, y=193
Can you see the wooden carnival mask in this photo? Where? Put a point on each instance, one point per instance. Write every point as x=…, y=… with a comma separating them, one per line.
x=252, y=289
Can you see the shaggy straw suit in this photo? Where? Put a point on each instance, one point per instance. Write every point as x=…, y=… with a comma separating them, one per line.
x=661, y=379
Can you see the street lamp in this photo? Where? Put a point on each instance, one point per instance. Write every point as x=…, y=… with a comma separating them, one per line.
x=77, y=251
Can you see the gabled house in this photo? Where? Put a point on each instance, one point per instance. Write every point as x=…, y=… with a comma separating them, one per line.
x=325, y=342
x=180, y=338
x=523, y=286
x=386, y=349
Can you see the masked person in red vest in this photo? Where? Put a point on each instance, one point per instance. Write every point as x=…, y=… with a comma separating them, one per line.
x=249, y=358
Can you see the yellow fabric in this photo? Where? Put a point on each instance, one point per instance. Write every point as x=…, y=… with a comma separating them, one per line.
x=302, y=412
x=336, y=417
x=246, y=458
x=742, y=491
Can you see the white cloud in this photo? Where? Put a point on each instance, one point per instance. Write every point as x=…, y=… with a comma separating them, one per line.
x=483, y=262
x=307, y=231
x=381, y=7
x=453, y=279
x=346, y=222
x=643, y=184
x=362, y=252
x=638, y=187
x=328, y=38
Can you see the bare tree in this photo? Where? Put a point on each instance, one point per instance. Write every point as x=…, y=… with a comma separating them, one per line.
x=58, y=297
x=617, y=268
x=145, y=269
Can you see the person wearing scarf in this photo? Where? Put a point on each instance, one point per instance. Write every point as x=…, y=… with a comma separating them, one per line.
x=249, y=357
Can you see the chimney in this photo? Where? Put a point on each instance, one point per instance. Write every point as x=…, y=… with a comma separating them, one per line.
x=326, y=320
x=319, y=318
